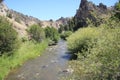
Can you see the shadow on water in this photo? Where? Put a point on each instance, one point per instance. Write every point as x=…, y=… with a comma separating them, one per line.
x=73, y=57
x=69, y=56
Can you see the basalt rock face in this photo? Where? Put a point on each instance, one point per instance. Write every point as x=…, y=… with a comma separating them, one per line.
x=89, y=11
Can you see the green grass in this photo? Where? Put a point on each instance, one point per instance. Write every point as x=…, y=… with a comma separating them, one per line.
x=27, y=50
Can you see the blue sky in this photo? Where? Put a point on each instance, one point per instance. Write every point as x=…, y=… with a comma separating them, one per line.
x=50, y=9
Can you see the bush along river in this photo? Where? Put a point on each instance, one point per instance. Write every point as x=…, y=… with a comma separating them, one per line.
x=51, y=65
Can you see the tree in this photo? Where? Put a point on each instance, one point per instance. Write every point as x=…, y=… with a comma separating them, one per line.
x=8, y=36
x=65, y=34
x=117, y=7
x=52, y=34
x=71, y=24
x=36, y=33
x=61, y=29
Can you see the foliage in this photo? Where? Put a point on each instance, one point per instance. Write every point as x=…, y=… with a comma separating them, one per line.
x=98, y=52
x=17, y=19
x=61, y=29
x=27, y=50
x=52, y=34
x=117, y=7
x=36, y=33
x=71, y=24
x=80, y=40
x=8, y=37
x=68, y=27
x=9, y=15
x=65, y=34
x=24, y=39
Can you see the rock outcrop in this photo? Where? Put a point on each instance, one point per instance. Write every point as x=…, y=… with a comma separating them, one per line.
x=89, y=11
x=56, y=24
x=3, y=9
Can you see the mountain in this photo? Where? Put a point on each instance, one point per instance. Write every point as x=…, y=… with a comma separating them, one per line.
x=88, y=11
x=21, y=22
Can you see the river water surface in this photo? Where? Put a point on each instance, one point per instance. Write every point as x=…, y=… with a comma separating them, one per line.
x=51, y=65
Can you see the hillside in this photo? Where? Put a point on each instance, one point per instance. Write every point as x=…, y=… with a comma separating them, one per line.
x=21, y=22
x=88, y=11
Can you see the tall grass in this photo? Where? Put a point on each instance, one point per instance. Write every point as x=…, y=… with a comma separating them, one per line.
x=27, y=50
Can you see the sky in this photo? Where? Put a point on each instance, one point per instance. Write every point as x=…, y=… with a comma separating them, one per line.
x=50, y=9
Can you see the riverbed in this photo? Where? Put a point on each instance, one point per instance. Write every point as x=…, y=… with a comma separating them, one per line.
x=51, y=65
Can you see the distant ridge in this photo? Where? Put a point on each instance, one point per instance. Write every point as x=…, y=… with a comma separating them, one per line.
x=21, y=21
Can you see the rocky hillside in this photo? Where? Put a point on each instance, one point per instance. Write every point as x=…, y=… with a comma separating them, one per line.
x=56, y=24
x=21, y=22
x=88, y=11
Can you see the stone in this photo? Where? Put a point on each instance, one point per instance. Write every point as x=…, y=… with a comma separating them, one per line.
x=88, y=10
x=69, y=70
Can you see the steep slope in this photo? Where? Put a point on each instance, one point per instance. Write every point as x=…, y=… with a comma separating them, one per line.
x=21, y=22
x=21, y=29
x=89, y=11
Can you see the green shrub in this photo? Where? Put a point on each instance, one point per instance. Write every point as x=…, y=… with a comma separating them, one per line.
x=101, y=61
x=24, y=39
x=36, y=33
x=52, y=34
x=65, y=34
x=117, y=8
x=79, y=41
x=8, y=36
x=9, y=15
x=17, y=19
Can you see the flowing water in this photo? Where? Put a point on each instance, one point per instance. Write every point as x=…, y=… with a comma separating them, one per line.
x=51, y=65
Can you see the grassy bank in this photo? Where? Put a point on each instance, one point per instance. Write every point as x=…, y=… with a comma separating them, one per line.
x=27, y=50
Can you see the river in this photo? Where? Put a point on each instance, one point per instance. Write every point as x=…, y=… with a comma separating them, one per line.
x=51, y=65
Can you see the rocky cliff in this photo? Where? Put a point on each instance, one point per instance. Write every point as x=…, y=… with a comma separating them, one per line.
x=89, y=11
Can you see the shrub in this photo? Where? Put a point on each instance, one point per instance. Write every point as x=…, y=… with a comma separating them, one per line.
x=36, y=33
x=52, y=34
x=17, y=20
x=101, y=61
x=9, y=15
x=24, y=39
x=80, y=40
x=8, y=36
x=65, y=34
x=117, y=8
